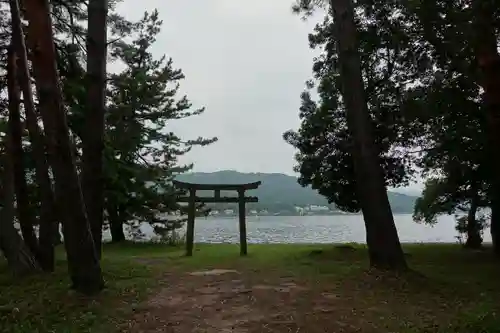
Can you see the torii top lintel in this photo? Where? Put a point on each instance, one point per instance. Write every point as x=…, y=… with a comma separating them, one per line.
x=215, y=187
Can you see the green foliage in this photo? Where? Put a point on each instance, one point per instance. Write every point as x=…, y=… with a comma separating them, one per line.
x=462, y=224
x=447, y=111
x=172, y=238
x=141, y=154
x=437, y=198
x=442, y=196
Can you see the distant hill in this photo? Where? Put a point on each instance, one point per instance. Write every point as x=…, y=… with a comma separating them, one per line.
x=283, y=190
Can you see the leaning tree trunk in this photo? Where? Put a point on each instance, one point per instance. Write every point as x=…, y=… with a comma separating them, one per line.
x=484, y=41
x=19, y=258
x=382, y=238
x=47, y=214
x=83, y=263
x=16, y=133
x=93, y=132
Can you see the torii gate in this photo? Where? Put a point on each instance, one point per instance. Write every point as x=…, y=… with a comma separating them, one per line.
x=192, y=199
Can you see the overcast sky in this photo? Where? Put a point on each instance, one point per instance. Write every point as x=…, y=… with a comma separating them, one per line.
x=246, y=62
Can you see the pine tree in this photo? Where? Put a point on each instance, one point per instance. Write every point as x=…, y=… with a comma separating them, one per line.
x=83, y=263
x=93, y=139
x=347, y=143
x=141, y=154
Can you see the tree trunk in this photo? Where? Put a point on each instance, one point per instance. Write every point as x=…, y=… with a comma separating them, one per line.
x=115, y=224
x=47, y=214
x=485, y=47
x=56, y=234
x=17, y=154
x=19, y=258
x=474, y=239
x=116, y=228
x=495, y=229
x=382, y=238
x=93, y=133
x=83, y=263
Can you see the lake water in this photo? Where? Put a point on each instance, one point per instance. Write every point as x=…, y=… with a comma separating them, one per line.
x=317, y=229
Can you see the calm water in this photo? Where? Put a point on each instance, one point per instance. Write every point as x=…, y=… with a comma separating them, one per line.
x=317, y=229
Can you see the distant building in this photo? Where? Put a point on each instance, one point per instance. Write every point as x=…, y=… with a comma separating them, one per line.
x=314, y=208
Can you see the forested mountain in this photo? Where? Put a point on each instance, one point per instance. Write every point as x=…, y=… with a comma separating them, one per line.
x=279, y=191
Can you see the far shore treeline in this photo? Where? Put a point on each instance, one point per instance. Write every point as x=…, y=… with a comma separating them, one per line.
x=280, y=194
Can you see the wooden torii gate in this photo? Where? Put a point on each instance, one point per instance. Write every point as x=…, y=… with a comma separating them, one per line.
x=192, y=199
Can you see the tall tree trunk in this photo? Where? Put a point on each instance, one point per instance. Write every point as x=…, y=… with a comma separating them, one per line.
x=486, y=50
x=19, y=258
x=83, y=263
x=93, y=133
x=26, y=220
x=381, y=235
x=48, y=213
x=474, y=239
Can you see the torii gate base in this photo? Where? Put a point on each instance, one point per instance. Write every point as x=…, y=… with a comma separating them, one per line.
x=192, y=199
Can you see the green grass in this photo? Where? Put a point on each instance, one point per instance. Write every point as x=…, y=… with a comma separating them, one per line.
x=450, y=290
x=44, y=303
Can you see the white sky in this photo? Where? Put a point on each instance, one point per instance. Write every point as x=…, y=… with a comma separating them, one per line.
x=246, y=62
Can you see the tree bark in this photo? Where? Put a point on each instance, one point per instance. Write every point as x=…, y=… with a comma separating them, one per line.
x=17, y=154
x=116, y=228
x=19, y=258
x=115, y=224
x=93, y=133
x=484, y=41
x=474, y=239
x=83, y=263
x=47, y=214
x=382, y=238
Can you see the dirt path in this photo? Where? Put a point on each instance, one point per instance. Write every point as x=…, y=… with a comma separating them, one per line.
x=223, y=301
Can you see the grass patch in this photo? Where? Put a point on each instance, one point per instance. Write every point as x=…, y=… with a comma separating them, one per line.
x=44, y=303
x=449, y=289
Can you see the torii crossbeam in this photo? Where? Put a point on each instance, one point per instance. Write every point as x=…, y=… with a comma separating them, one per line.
x=192, y=199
